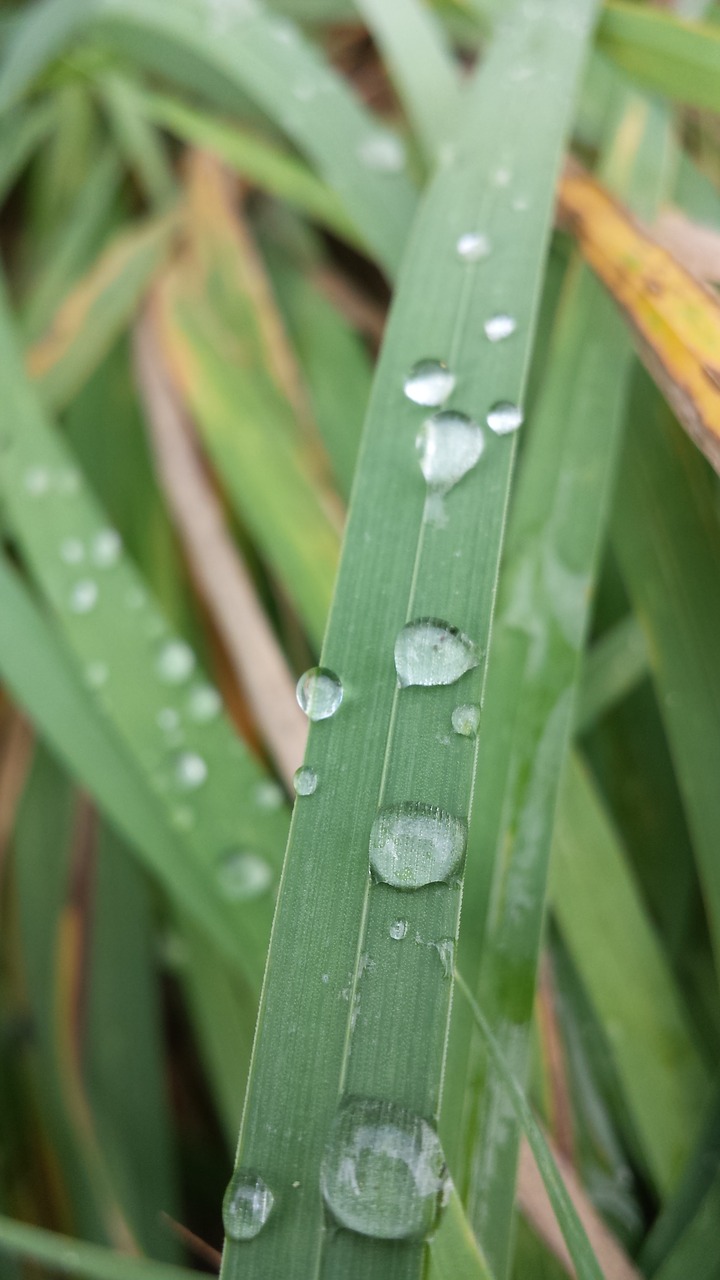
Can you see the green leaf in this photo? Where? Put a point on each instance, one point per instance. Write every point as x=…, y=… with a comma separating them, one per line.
x=65, y=1256
x=670, y=55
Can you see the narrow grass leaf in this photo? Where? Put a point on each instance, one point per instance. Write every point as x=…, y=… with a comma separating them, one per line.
x=586, y=1266
x=64, y=1256
x=21, y=132
x=454, y=1251
x=138, y=141
x=664, y=51
x=613, y=666
x=266, y=57
x=695, y=1254
x=367, y=964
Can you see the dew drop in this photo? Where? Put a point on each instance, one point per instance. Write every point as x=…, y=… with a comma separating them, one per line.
x=383, y=1172
x=191, y=771
x=431, y=652
x=504, y=417
x=500, y=326
x=305, y=91
x=243, y=875
x=520, y=204
x=36, y=481
x=466, y=719
x=319, y=693
x=72, y=551
x=473, y=246
x=168, y=719
x=135, y=598
x=175, y=663
x=96, y=675
x=305, y=781
x=83, y=596
x=183, y=818
x=501, y=177
x=398, y=929
x=269, y=796
x=67, y=482
x=204, y=703
x=446, y=953
x=382, y=152
x=416, y=844
x=449, y=444
x=247, y=1205
x=106, y=547
x=429, y=383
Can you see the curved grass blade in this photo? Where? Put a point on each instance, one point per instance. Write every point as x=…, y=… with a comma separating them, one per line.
x=138, y=142
x=368, y=965
x=454, y=1251
x=586, y=1266
x=664, y=51
x=267, y=58
x=615, y=664
x=65, y=1256
x=21, y=133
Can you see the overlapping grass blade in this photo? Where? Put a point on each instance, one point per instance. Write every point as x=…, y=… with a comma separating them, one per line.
x=613, y=666
x=138, y=142
x=669, y=54
x=21, y=132
x=333, y=954
x=75, y=1258
x=263, y=56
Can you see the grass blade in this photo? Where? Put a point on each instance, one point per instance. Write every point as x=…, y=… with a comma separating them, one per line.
x=328, y=915
x=65, y=1256
x=667, y=53
x=613, y=667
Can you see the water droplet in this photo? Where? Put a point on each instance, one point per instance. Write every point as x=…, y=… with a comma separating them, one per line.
x=176, y=661
x=416, y=844
x=449, y=444
x=67, y=482
x=168, y=719
x=319, y=693
x=243, y=875
x=398, y=929
x=473, y=246
x=72, y=551
x=504, y=417
x=191, y=771
x=305, y=781
x=519, y=204
x=247, y=1205
x=501, y=177
x=383, y=152
x=135, y=598
x=36, y=481
x=466, y=719
x=204, y=703
x=183, y=818
x=284, y=32
x=96, y=675
x=430, y=652
x=383, y=1171
x=305, y=91
x=446, y=952
x=500, y=326
x=83, y=596
x=269, y=796
x=429, y=383
x=106, y=548
x=518, y=74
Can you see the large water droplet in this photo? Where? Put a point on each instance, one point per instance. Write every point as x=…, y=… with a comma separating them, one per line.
x=398, y=929
x=176, y=661
x=416, y=844
x=72, y=551
x=319, y=693
x=204, y=703
x=383, y=1172
x=305, y=780
x=191, y=771
x=473, y=246
x=382, y=152
x=105, y=548
x=247, y=1205
x=449, y=444
x=430, y=652
x=83, y=596
x=466, y=719
x=243, y=875
x=504, y=417
x=429, y=383
x=500, y=326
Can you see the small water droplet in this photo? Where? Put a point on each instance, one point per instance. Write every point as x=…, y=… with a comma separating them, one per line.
x=398, y=929
x=519, y=204
x=83, y=596
x=449, y=444
x=247, y=1205
x=446, y=952
x=105, y=548
x=431, y=652
x=204, y=703
x=269, y=796
x=135, y=598
x=305, y=781
x=168, y=719
x=191, y=771
x=501, y=177
x=383, y=1171
x=305, y=91
x=500, y=326
x=504, y=417
x=518, y=74
x=175, y=662
x=466, y=719
x=473, y=246
x=183, y=818
x=429, y=383
x=36, y=481
x=72, y=551
x=382, y=152
x=67, y=482
x=243, y=875
x=416, y=844
x=96, y=675
x=319, y=693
